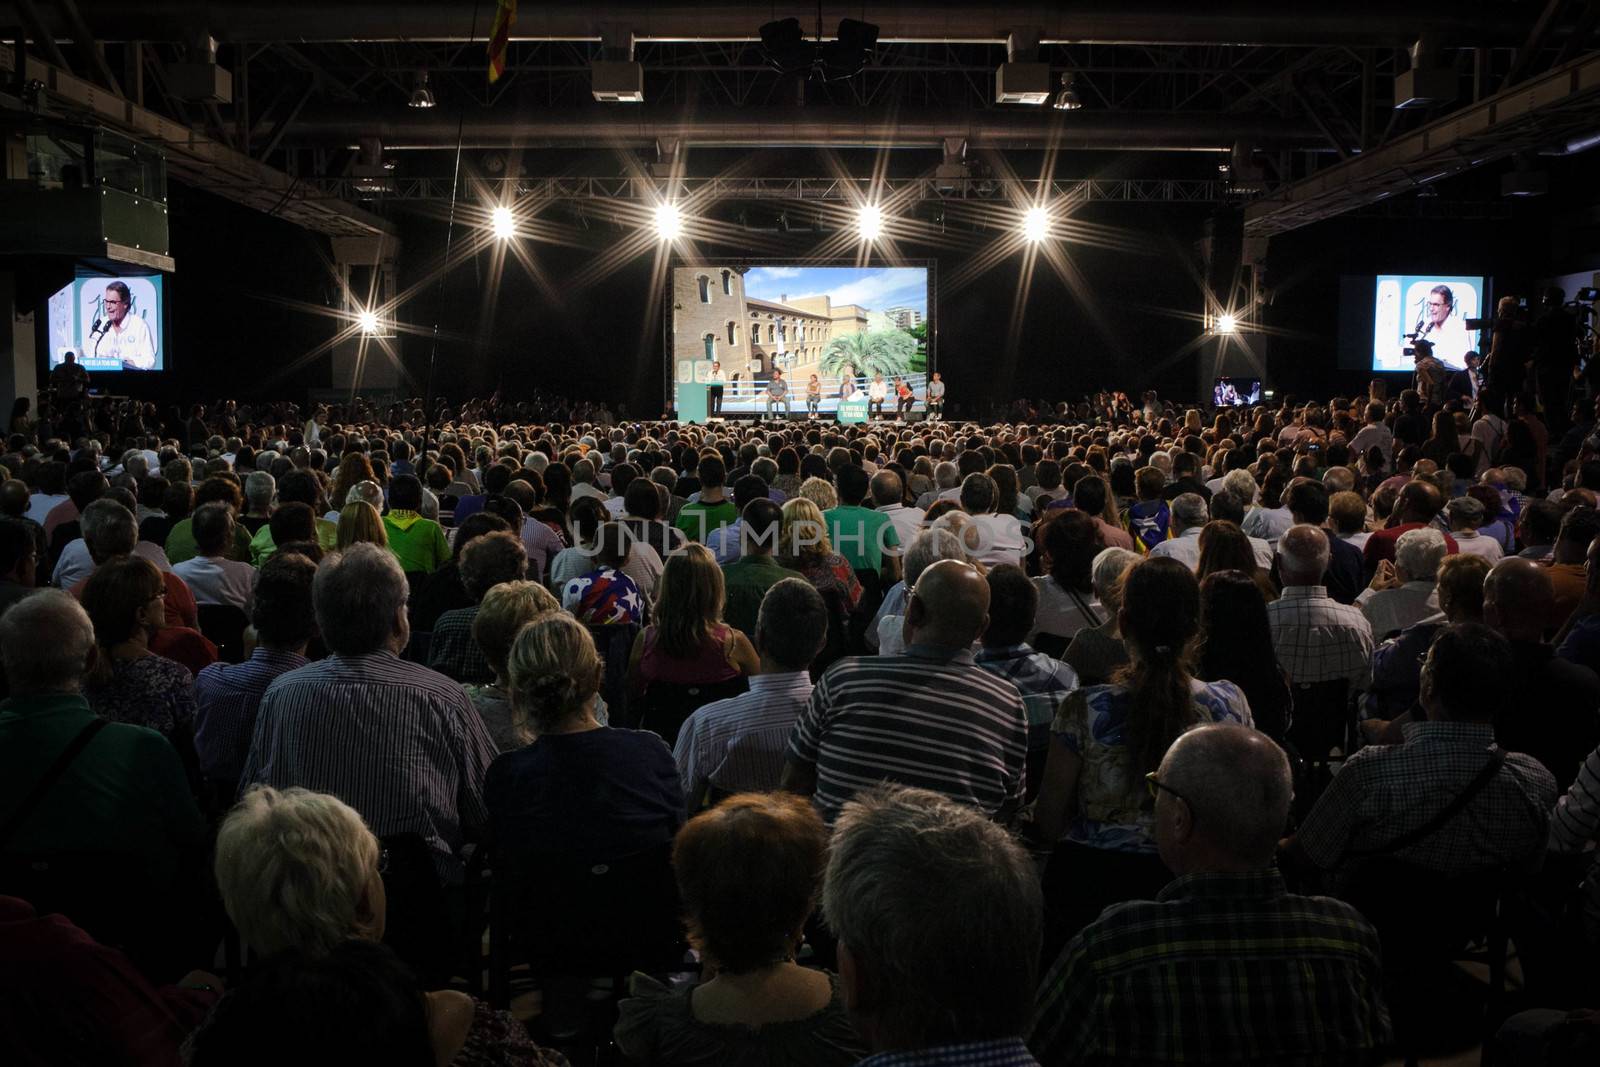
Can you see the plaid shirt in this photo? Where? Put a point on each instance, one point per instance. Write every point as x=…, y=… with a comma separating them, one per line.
x=1042, y=680
x=1319, y=639
x=1384, y=791
x=452, y=651
x=1219, y=968
x=1005, y=1052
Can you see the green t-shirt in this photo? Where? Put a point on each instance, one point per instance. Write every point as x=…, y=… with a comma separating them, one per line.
x=697, y=519
x=125, y=792
x=180, y=546
x=262, y=546
x=860, y=535
x=745, y=582
x=418, y=542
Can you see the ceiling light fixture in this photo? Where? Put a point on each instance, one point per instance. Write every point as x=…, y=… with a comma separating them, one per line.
x=869, y=222
x=368, y=321
x=1227, y=324
x=503, y=223
x=1067, y=99
x=669, y=223
x=422, y=96
x=1036, y=224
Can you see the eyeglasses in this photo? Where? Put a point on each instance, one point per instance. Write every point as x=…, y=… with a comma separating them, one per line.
x=383, y=861
x=1156, y=785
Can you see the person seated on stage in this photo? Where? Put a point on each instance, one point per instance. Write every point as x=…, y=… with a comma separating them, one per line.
x=904, y=398
x=877, y=395
x=813, y=397
x=777, y=393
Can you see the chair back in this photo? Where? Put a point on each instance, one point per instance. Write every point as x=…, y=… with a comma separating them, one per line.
x=665, y=706
x=615, y=645
x=1322, y=720
x=224, y=626
x=582, y=917
x=418, y=926
x=1052, y=645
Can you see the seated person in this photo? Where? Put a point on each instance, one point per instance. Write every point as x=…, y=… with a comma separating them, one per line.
x=688, y=643
x=605, y=595
x=749, y=872
x=505, y=610
x=1276, y=977
x=579, y=789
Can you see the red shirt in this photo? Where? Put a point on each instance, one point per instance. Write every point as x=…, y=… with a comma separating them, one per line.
x=1380, y=546
x=113, y=1006
x=179, y=603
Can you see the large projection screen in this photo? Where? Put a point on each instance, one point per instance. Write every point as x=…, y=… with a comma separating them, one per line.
x=731, y=327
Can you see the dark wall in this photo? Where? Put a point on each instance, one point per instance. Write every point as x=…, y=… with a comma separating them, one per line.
x=1118, y=325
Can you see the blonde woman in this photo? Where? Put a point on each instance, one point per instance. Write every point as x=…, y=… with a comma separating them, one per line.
x=360, y=521
x=820, y=492
x=804, y=546
x=580, y=789
x=503, y=612
x=689, y=644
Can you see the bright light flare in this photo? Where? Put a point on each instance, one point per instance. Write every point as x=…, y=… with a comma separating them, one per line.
x=1227, y=324
x=368, y=321
x=669, y=222
x=503, y=223
x=869, y=222
x=1036, y=224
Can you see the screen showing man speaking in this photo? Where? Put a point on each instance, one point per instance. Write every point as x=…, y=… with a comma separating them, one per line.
x=1434, y=309
x=109, y=324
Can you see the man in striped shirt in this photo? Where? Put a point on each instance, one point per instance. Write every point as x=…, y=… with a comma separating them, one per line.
x=930, y=718
x=737, y=745
x=399, y=743
x=1225, y=965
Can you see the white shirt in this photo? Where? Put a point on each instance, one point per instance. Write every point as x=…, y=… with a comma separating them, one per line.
x=75, y=566
x=999, y=539
x=583, y=489
x=878, y=391
x=39, y=505
x=1185, y=548
x=1373, y=435
x=1268, y=523
x=1474, y=543
x=1488, y=431
x=214, y=580
x=907, y=524
x=1395, y=609
x=615, y=505
x=130, y=342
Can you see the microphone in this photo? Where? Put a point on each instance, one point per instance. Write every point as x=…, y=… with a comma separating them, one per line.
x=96, y=327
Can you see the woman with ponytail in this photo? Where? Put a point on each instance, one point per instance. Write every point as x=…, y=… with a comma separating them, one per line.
x=1094, y=804
x=578, y=790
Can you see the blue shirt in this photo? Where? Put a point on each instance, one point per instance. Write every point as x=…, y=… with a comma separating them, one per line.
x=227, y=697
x=1582, y=644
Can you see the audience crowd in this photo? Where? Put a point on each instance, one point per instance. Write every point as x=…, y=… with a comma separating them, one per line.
x=1111, y=736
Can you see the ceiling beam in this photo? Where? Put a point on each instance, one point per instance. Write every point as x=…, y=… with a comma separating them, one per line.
x=1269, y=22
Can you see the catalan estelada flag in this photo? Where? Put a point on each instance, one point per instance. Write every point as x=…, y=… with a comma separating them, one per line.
x=505, y=16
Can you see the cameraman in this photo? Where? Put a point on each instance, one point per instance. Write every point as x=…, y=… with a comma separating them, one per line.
x=1555, y=354
x=1508, y=349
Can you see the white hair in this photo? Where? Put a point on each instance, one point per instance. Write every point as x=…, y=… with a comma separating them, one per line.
x=1242, y=484
x=1189, y=510
x=292, y=867
x=1106, y=571
x=45, y=639
x=1419, y=552
x=940, y=541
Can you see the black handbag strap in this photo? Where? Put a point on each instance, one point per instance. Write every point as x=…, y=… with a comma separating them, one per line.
x=1497, y=759
x=74, y=747
x=1084, y=608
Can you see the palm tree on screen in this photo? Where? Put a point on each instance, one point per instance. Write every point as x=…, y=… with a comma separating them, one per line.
x=886, y=352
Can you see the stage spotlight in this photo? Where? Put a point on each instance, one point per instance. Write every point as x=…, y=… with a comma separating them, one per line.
x=1067, y=99
x=368, y=321
x=669, y=223
x=505, y=226
x=869, y=222
x=785, y=47
x=1036, y=224
x=1227, y=324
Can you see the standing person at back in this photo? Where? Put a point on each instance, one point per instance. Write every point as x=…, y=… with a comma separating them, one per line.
x=930, y=718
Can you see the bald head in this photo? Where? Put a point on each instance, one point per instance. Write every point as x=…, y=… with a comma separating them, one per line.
x=1236, y=790
x=1303, y=553
x=949, y=606
x=1518, y=599
x=13, y=497
x=46, y=641
x=886, y=488
x=1419, y=501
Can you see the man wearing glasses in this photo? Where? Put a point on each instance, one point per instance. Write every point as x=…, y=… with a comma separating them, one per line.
x=1226, y=964
x=123, y=336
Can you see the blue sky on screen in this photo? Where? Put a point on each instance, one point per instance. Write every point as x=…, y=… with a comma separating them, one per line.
x=874, y=288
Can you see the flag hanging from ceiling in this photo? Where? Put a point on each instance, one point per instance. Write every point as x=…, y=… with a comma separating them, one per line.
x=505, y=16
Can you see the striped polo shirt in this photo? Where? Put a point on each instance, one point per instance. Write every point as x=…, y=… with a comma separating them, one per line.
x=930, y=718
